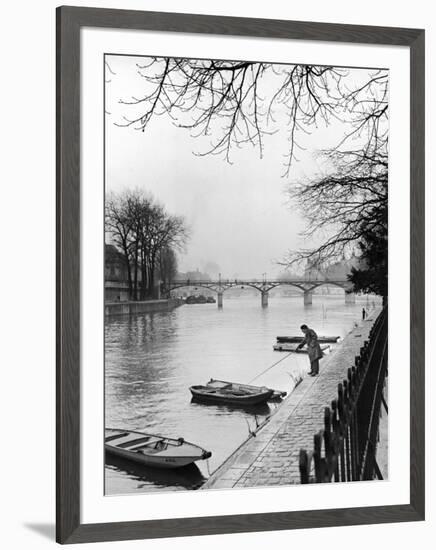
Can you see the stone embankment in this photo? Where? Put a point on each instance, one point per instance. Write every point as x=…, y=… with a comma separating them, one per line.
x=149, y=306
x=272, y=456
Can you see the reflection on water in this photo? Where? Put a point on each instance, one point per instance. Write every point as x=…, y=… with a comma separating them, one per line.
x=264, y=409
x=126, y=476
x=152, y=359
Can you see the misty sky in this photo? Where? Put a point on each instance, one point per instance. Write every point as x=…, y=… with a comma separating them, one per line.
x=238, y=214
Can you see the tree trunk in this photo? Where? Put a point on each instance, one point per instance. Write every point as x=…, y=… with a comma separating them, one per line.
x=143, y=272
x=152, y=269
x=135, y=266
x=129, y=269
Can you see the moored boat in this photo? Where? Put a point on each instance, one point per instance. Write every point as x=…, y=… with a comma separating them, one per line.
x=292, y=347
x=213, y=383
x=297, y=339
x=229, y=392
x=196, y=299
x=152, y=450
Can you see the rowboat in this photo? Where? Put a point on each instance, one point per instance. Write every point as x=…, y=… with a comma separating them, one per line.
x=196, y=299
x=298, y=339
x=292, y=347
x=152, y=450
x=213, y=383
x=218, y=391
x=188, y=477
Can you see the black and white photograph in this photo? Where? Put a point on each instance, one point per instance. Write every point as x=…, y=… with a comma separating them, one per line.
x=217, y=274
x=246, y=275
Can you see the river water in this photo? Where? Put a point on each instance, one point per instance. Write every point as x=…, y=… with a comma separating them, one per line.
x=152, y=359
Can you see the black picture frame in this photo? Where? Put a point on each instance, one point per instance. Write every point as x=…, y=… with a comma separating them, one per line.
x=70, y=20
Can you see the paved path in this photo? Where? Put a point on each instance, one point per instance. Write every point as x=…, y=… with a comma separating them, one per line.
x=271, y=458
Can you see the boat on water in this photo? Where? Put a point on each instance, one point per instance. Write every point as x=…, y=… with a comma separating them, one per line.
x=220, y=391
x=213, y=383
x=298, y=339
x=188, y=477
x=196, y=299
x=152, y=450
x=292, y=347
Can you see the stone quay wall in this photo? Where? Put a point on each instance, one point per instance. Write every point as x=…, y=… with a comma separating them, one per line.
x=272, y=456
x=149, y=306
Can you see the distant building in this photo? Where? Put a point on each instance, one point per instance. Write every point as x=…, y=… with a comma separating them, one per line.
x=114, y=264
x=196, y=275
x=116, y=287
x=117, y=279
x=335, y=271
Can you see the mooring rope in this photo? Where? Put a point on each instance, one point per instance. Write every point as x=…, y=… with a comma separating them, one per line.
x=298, y=362
x=273, y=365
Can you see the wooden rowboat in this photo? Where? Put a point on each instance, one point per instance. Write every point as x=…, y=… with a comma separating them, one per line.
x=298, y=339
x=229, y=392
x=152, y=450
x=213, y=383
x=292, y=347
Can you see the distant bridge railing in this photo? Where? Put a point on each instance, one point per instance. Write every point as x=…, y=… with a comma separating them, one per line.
x=345, y=450
x=304, y=284
x=307, y=286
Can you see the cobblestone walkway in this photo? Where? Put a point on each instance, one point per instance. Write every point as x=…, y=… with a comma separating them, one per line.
x=271, y=458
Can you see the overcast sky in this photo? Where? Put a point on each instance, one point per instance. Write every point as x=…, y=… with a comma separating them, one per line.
x=238, y=213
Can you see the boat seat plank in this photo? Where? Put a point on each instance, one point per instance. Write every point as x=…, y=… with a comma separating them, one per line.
x=147, y=445
x=116, y=436
x=132, y=442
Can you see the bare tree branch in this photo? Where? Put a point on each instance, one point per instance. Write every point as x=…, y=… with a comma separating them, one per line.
x=237, y=102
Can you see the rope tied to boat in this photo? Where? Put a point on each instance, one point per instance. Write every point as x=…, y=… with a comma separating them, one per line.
x=298, y=362
x=270, y=367
x=208, y=467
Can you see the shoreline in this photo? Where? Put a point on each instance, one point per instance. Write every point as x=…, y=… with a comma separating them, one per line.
x=272, y=456
x=147, y=306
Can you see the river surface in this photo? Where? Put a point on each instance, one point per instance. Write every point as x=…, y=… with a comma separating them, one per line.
x=152, y=359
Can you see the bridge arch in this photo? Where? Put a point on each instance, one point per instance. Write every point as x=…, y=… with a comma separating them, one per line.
x=191, y=285
x=257, y=286
x=345, y=286
x=290, y=283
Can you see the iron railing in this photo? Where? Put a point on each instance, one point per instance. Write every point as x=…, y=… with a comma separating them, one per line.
x=345, y=450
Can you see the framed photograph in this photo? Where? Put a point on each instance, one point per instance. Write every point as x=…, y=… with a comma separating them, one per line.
x=240, y=275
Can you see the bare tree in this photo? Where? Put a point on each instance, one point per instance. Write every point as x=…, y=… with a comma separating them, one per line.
x=167, y=266
x=118, y=225
x=165, y=232
x=239, y=102
x=142, y=229
x=341, y=205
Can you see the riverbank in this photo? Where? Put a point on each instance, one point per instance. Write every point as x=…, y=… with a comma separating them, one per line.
x=272, y=457
x=151, y=360
x=149, y=306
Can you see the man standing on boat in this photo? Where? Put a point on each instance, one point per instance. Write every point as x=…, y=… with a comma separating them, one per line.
x=313, y=349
